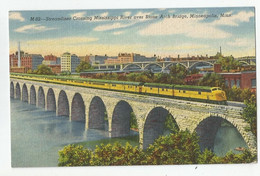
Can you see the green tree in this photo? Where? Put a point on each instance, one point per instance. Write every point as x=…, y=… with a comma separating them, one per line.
x=43, y=70
x=170, y=124
x=228, y=63
x=178, y=71
x=177, y=148
x=116, y=154
x=83, y=66
x=194, y=71
x=249, y=114
x=212, y=80
x=133, y=121
x=74, y=155
x=65, y=73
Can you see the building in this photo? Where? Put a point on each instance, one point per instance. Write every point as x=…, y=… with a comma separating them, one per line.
x=141, y=58
x=192, y=79
x=122, y=58
x=53, y=62
x=243, y=80
x=98, y=59
x=28, y=61
x=69, y=62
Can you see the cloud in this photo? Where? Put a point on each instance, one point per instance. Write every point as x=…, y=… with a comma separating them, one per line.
x=78, y=14
x=62, y=41
x=241, y=42
x=73, y=45
x=33, y=28
x=162, y=9
x=107, y=27
x=104, y=14
x=234, y=20
x=185, y=46
x=188, y=26
x=127, y=13
x=142, y=14
x=16, y=16
x=118, y=32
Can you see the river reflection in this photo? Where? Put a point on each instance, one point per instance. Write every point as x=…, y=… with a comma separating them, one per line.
x=37, y=135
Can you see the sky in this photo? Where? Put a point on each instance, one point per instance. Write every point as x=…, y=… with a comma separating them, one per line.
x=164, y=32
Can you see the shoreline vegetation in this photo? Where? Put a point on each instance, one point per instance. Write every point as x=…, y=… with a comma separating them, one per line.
x=176, y=148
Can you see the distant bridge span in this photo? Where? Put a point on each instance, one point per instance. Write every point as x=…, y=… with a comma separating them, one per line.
x=92, y=105
x=188, y=64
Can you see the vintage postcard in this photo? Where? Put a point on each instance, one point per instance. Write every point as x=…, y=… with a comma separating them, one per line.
x=133, y=87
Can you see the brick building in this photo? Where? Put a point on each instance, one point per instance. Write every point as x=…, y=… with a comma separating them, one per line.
x=243, y=80
x=53, y=62
x=28, y=61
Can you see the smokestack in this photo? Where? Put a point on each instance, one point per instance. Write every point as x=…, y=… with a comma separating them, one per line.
x=220, y=50
x=19, y=55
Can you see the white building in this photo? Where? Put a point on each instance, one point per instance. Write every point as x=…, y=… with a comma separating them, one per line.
x=69, y=62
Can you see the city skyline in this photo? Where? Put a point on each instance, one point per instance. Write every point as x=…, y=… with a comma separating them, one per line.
x=187, y=31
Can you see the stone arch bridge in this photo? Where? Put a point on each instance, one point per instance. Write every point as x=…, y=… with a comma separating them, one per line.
x=92, y=105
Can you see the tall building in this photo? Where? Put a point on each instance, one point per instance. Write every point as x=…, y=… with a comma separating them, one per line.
x=69, y=62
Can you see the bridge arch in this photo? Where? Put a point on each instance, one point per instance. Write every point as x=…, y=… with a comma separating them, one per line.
x=149, y=66
x=244, y=62
x=32, y=95
x=175, y=63
x=154, y=125
x=51, y=102
x=12, y=90
x=41, y=98
x=97, y=113
x=121, y=119
x=17, y=91
x=63, y=104
x=208, y=129
x=200, y=62
x=78, y=108
x=129, y=65
x=24, y=93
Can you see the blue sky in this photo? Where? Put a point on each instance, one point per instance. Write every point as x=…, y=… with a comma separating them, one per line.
x=147, y=36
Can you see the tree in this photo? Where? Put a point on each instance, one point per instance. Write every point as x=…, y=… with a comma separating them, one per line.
x=83, y=66
x=177, y=148
x=178, y=71
x=170, y=124
x=43, y=70
x=194, y=71
x=65, y=73
x=133, y=121
x=228, y=63
x=249, y=114
x=116, y=154
x=74, y=155
x=212, y=80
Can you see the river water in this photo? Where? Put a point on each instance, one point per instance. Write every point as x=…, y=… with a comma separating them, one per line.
x=38, y=135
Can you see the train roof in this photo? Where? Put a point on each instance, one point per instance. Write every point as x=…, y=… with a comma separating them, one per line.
x=159, y=85
x=195, y=88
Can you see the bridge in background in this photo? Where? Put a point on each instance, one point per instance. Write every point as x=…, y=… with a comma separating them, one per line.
x=163, y=66
x=91, y=106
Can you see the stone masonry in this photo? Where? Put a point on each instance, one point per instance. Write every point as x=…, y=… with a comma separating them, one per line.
x=150, y=111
